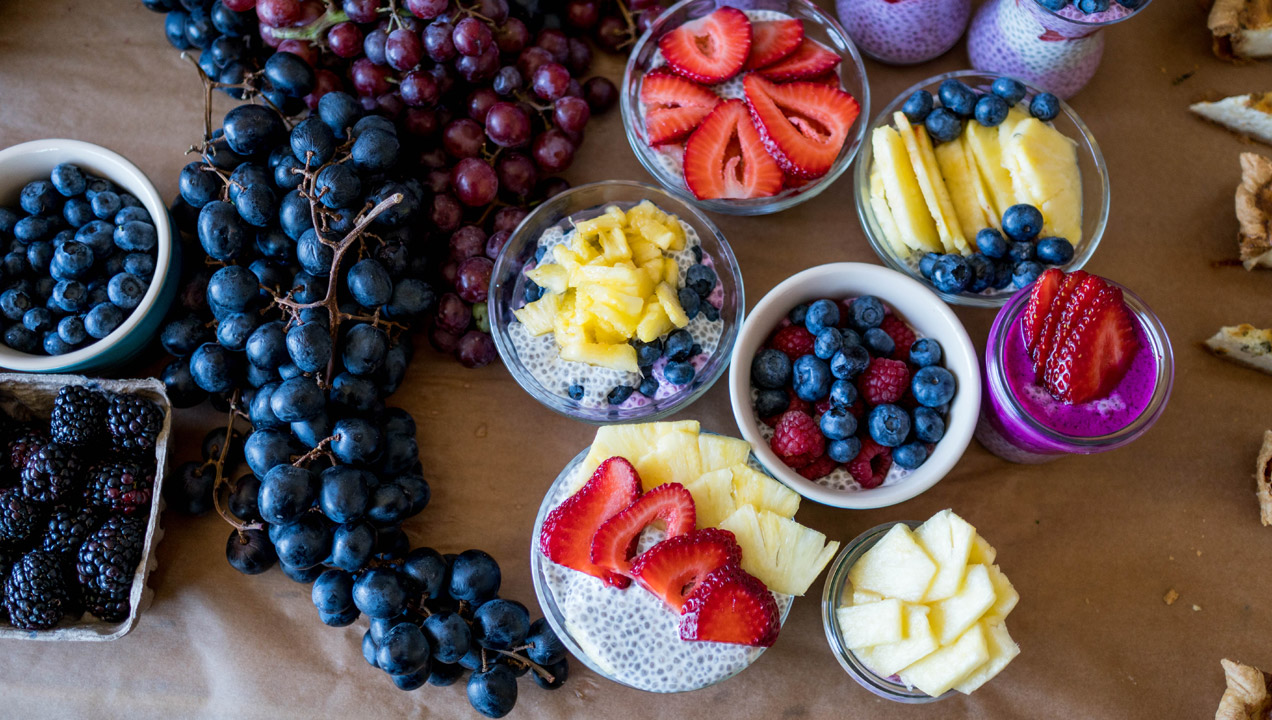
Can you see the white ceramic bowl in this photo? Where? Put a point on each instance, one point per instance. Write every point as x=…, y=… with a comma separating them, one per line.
x=924, y=311
x=34, y=160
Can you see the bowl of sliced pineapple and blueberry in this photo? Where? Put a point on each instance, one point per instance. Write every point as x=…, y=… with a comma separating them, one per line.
x=615, y=302
x=976, y=183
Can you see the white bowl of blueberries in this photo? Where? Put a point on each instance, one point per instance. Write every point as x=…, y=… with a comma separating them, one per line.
x=87, y=251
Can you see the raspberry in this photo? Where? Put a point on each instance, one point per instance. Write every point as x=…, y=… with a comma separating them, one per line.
x=883, y=381
x=900, y=333
x=871, y=465
x=793, y=340
x=821, y=467
x=795, y=404
x=798, y=438
x=822, y=406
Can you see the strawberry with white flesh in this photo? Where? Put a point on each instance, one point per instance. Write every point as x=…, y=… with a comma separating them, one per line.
x=1097, y=350
x=809, y=60
x=711, y=49
x=725, y=158
x=772, y=40
x=731, y=606
x=566, y=537
x=1051, y=329
x=615, y=541
x=1041, y=296
x=673, y=568
x=674, y=106
x=803, y=125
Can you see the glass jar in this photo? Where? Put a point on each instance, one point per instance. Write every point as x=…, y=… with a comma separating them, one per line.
x=904, y=32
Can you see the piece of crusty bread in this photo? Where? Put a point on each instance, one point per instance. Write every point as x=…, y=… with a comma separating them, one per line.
x=1246, y=697
x=1244, y=344
x=1242, y=29
x=1263, y=479
x=1249, y=114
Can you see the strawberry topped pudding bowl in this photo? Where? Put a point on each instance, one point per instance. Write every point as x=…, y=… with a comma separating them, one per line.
x=745, y=111
x=857, y=386
x=1076, y=364
x=666, y=560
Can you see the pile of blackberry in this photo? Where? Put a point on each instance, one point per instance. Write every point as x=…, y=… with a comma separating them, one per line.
x=75, y=496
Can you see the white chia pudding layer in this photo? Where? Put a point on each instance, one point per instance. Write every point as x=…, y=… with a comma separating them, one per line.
x=541, y=357
x=629, y=634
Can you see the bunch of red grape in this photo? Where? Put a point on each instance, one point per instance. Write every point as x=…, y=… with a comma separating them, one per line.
x=614, y=25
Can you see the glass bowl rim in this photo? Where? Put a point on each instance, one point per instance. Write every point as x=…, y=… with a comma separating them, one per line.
x=1090, y=23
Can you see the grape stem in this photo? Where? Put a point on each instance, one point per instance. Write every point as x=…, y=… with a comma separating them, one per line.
x=221, y=485
x=533, y=665
x=314, y=30
x=320, y=449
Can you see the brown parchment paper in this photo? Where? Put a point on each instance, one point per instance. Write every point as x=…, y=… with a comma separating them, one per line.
x=1092, y=543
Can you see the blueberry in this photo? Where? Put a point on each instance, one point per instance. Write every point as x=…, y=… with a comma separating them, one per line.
x=1022, y=222
x=678, y=373
x=933, y=386
x=71, y=330
x=910, y=455
x=678, y=345
x=710, y=312
x=865, y=312
x=1054, y=250
x=68, y=179
x=952, y=274
x=1044, y=106
x=821, y=314
x=140, y=264
x=798, y=313
x=888, y=425
x=928, y=263
x=769, y=403
x=842, y=451
x=1021, y=251
x=957, y=97
x=54, y=344
x=982, y=272
x=1056, y=5
x=14, y=304
x=533, y=291
x=39, y=255
x=943, y=125
x=690, y=302
x=576, y=392
x=69, y=296
x=701, y=278
x=1009, y=89
x=828, y=342
x=103, y=320
x=991, y=110
x=40, y=197
x=929, y=426
x=770, y=369
x=843, y=393
x=8, y=218
x=619, y=394
x=917, y=106
x=837, y=423
x=23, y=340
x=106, y=204
x=849, y=362
x=71, y=261
x=647, y=353
x=992, y=243
x=130, y=214
x=850, y=337
x=77, y=211
x=879, y=343
x=648, y=386
x=925, y=352
x=697, y=253
x=811, y=378
x=126, y=290
x=1131, y=4
x=1002, y=274
x=1090, y=7
x=31, y=228
x=38, y=320
x=1025, y=273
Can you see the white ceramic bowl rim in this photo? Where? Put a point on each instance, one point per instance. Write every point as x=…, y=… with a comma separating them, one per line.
x=114, y=167
x=888, y=285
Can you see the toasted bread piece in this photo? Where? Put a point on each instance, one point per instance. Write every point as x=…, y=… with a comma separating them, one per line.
x=1254, y=211
x=1249, y=115
x=1242, y=29
x=1263, y=479
x=1244, y=344
x=1247, y=695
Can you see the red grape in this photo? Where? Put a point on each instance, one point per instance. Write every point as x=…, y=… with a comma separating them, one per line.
x=473, y=279
x=434, y=159
x=373, y=46
x=369, y=79
x=507, y=81
x=476, y=349
x=444, y=341
x=437, y=180
x=512, y=36
x=426, y=9
x=310, y=10
x=466, y=242
x=582, y=14
x=508, y=218
x=453, y=314
x=403, y=49
x=480, y=102
x=496, y=243
x=531, y=59
x=571, y=114
x=553, y=151
x=478, y=68
x=446, y=212
x=579, y=58
x=438, y=42
x=463, y=138
x=445, y=80
x=239, y=5
x=472, y=36
x=278, y=13
x=611, y=32
x=550, y=81
x=555, y=42
x=495, y=11
x=345, y=40
x=643, y=5
x=390, y=105
x=421, y=122
x=271, y=39
x=507, y=125
x=574, y=89
x=553, y=186
x=361, y=11
x=301, y=49
x=325, y=82
x=418, y=89
x=517, y=174
x=600, y=94
x=646, y=20
x=475, y=182
x=450, y=272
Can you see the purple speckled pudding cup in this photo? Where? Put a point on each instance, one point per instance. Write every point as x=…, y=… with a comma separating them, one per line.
x=904, y=32
x=1020, y=422
x=1057, y=51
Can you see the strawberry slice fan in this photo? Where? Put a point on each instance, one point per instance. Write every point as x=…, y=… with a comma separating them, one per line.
x=615, y=542
x=674, y=568
x=803, y=125
x=566, y=538
x=773, y=40
x=710, y=49
x=675, y=106
x=725, y=157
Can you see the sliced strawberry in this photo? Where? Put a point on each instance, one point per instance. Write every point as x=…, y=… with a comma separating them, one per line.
x=1040, y=298
x=808, y=60
x=830, y=79
x=614, y=543
x=773, y=40
x=674, y=106
x=804, y=125
x=673, y=568
x=710, y=49
x=724, y=157
x=1049, y=331
x=566, y=538
x=1097, y=350
x=731, y=606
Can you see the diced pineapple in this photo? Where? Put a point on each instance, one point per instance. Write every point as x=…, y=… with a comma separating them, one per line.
x=568, y=334
x=950, y=665
x=538, y=316
x=718, y=451
x=763, y=492
x=1047, y=163
x=947, y=538
x=783, y=554
x=619, y=277
x=861, y=597
x=620, y=312
x=887, y=660
x=614, y=245
x=953, y=615
x=644, y=252
x=982, y=553
x=671, y=305
x=982, y=142
x=602, y=330
x=654, y=270
x=901, y=188
x=568, y=259
x=617, y=357
x=644, y=210
x=958, y=176
x=610, y=219
x=654, y=323
x=897, y=566
x=883, y=214
x=673, y=459
x=922, y=159
x=655, y=232
x=713, y=497
x=671, y=272
x=877, y=623
x=631, y=441
x=1005, y=596
x=1002, y=650
x=551, y=276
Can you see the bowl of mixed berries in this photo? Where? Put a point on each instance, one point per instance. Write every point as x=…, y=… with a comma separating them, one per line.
x=745, y=111
x=857, y=385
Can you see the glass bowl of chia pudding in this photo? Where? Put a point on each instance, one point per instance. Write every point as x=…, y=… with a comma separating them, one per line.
x=671, y=370
x=627, y=636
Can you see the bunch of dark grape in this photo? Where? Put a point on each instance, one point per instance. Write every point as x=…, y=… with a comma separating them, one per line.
x=615, y=25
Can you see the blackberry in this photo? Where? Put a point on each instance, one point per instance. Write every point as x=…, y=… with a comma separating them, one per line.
x=120, y=486
x=133, y=422
x=108, y=558
x=111, y=608
x=51, y=472
x=36, y=594
x=79, y=415
x=20, y=517
x=20, y=446
x=67, y=529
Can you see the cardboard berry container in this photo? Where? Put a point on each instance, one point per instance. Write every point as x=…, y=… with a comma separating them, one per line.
x=31, y=396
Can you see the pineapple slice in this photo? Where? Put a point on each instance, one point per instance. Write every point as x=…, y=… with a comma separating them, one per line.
x=953, y=615
x=877, y=623
x=983, y=147
x=950, y=665
x=1047, y=163
x=783, y=554
x=948, y=540
x=644, y=251
x=883, y=214
x=1005, y=596
x=887, y=660
x=671, y=305
x=901, y=188
x=952, y=160
x=630, y=441
x=1018, y=189
x=982, y=553
x=620, y=311
x=620, y=277
x=718, y=451
x=614, y=356
x=673, y=459
x=1002, y=650
x=897, y=566
x=656, y=232
x=551, y=276
x=939, y=205
x=763, y=492
x=539, y=316
x=671, y=274
x=654, y=323
x=614, y=245
x=861, y=597
x=713, y=497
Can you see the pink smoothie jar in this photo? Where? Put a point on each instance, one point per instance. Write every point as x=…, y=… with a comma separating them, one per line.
x=904, y=32
x=1021, y=422
x=1056, y=50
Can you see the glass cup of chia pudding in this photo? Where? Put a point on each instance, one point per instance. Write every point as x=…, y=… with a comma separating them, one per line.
x=1020, y=421
x=624, y=372
x=904, y=32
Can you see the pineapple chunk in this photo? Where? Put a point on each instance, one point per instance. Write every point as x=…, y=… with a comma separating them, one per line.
x=953, y=615
x=673, y=459
x=655, y=232
x=919, y=147
x=654, y=323
x=950, y=665
x=630, y=441
x=1005, y=596
x=610, y=219
x=983, y=147
x=1002, y=650
x=713, y=497
x=671, y=273
x=887, y=660
x=901, y=188
x=883, y=214
x=614, y=245
x=617, y=277
x=551, y=276
x=1047, y=162
x=538, y=317
x=783, y=554
x=947, y=539
x=644, y=252
x=654, y=270
x=861, y=597
x=896, y=566
x=568, y=259
x=877, y=623
x=616, y=357
x=763, y=492
x=952, y=159
x=671, y=305
x=718, y=451
x=982, y=553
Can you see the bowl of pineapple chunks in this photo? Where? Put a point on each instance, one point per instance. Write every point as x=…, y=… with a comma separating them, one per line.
x=934, y=187
x=615, y=302
x=918, y=612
